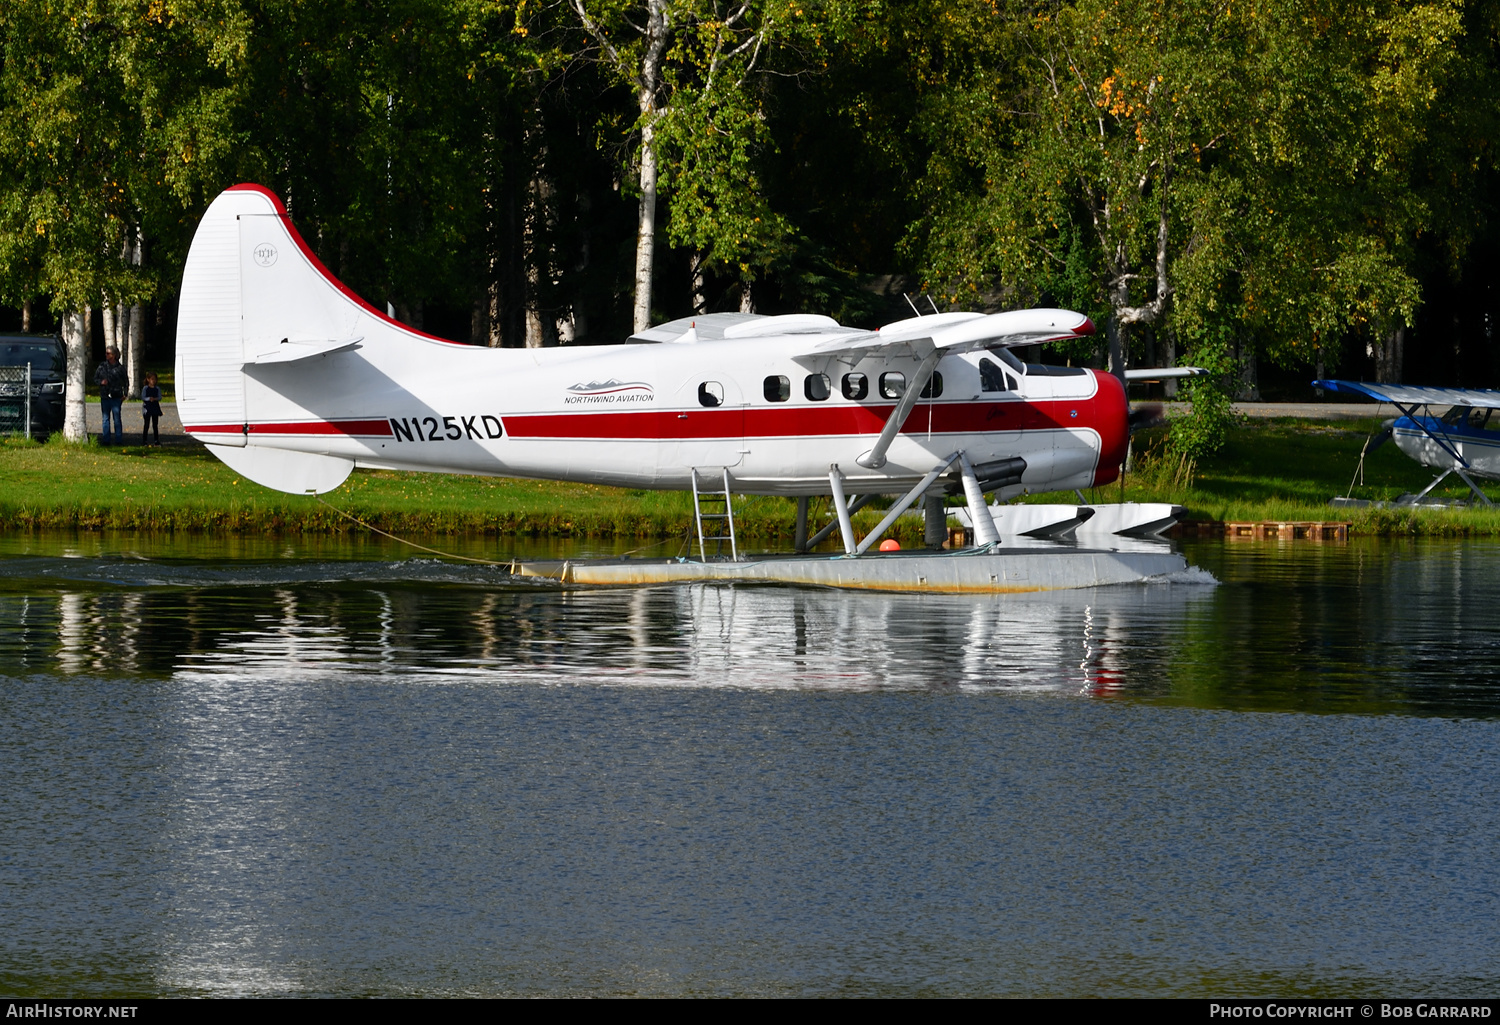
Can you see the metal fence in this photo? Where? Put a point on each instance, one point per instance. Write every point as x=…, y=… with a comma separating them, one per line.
x=15, y=400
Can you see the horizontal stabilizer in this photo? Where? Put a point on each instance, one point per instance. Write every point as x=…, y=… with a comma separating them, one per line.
x=290, y=350
x=296, y=473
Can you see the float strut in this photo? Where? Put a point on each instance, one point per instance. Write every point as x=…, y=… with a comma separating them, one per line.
x=979, y=513
x=846, y=529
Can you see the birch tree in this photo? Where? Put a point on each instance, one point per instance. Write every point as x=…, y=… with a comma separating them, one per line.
x=675, y=55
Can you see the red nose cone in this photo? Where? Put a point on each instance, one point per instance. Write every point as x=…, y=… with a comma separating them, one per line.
x=1113, y=425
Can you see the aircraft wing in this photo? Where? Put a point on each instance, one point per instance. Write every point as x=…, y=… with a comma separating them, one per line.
x=955, y=333
x=1414, y=395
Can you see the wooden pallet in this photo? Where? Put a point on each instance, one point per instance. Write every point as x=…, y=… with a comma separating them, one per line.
x=1280, y=530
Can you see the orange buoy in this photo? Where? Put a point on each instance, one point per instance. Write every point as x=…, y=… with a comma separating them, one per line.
x=890, y=545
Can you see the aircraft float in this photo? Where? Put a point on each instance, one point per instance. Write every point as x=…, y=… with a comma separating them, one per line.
x=293, y=381
x=1463, y=440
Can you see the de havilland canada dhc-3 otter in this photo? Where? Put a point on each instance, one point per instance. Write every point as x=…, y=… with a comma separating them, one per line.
x=293, y=381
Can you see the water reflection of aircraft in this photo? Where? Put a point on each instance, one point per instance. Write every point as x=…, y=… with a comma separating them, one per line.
x=1463, y=440
x=293, y=380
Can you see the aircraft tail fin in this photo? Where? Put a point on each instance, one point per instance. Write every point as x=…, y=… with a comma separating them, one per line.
x=254, y=296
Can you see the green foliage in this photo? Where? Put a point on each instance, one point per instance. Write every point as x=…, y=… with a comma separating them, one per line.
x=1281, y=165
x=1204, y=431
x=709, y=139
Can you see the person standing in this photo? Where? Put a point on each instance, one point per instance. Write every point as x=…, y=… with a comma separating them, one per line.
x=151, y=411
x=113, y=383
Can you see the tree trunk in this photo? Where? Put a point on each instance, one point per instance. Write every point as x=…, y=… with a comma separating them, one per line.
x=1390, y=359
x=645, y=240
x=134, y=334
x=1169, y=359
x=1118, y=331
x=1119, y=340
x=1249, y=383
x=494, y=338
x=76, y=339
x=747, y=297
x=111, y=331
x=26, y=317
x=700, y=300
x=478, y=324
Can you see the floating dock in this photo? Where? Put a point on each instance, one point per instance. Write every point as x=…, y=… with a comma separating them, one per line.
x=973, y=571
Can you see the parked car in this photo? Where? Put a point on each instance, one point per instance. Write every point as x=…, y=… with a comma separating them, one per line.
x=48, y=369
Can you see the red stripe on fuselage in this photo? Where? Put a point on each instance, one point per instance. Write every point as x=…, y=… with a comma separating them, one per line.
x=833, y=420
x=358, y=428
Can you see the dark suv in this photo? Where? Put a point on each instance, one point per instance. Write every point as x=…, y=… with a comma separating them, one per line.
x=48, y=366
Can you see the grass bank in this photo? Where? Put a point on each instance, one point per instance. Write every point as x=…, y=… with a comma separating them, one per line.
x=1269, y=470
x=1288, y=470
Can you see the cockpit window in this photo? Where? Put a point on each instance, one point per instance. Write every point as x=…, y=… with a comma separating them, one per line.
x=1009, y=359
x=1456, y=415
x=991, y=377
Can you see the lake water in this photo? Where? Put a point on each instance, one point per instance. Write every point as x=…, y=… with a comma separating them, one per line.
x=327, y=767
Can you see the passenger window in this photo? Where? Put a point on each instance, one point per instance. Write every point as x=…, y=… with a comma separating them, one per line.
x=856, y=386
x=816, y=387
x=710, y=393
x=990, y=376
x=778, y=388
x=934, y=387
x=1478, y=418
x=892, y=385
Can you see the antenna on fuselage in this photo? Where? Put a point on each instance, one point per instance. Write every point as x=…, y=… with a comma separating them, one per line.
x=932, y=304
x=911, y=304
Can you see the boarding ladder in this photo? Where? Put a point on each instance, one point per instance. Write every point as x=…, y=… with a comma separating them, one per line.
x=713, y=508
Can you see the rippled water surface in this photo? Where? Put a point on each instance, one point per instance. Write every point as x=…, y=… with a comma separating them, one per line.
x=329, y=767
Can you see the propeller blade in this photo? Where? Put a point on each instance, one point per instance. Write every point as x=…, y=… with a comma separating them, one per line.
x=1377, y=439
x=1150, y=414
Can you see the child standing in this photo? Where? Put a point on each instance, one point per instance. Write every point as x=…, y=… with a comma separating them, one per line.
x=151, y=411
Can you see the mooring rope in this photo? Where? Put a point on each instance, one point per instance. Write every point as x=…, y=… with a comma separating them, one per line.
x=465, y=558
x=393, y=537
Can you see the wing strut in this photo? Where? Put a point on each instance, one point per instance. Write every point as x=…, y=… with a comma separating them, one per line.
x=875, y=458
x=1409, y=412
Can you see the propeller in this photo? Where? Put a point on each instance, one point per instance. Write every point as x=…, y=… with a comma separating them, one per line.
x=1377, y=439
x=1150, y=414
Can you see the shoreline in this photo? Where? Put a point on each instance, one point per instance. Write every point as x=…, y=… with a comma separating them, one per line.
x=1281, y=469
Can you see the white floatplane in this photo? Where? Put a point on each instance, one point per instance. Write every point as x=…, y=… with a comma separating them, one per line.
x=293, y=381
x=1462, y=440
